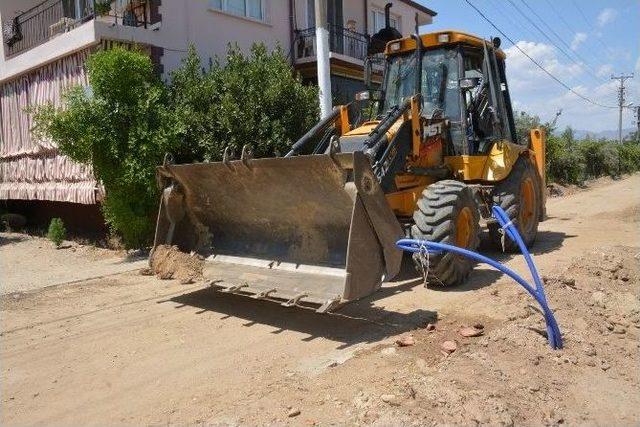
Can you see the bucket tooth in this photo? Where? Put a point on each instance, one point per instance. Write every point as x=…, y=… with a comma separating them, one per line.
x=264, y=294
x=235, y=288
x=294, y=301
x=328, y=306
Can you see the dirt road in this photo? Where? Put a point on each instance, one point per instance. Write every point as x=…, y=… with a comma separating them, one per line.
x=130, y=349
x=29, y=263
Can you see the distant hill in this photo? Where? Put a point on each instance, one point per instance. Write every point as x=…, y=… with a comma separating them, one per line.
x=608, y=134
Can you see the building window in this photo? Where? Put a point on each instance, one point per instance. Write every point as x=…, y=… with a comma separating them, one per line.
x=253, y=9
x=377, y=20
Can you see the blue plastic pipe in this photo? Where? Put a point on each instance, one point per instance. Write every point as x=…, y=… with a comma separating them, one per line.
x=537, y=291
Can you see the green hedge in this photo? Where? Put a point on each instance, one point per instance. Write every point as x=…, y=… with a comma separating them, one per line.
x=128, y=119
x=573, y=163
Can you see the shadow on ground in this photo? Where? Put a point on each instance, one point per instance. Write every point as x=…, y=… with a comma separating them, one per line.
x=546, y=242
x=6, y=239
x=477, y=279
x=358, y=322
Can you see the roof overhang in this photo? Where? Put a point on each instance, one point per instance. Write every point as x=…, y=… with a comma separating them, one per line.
x=420, y=7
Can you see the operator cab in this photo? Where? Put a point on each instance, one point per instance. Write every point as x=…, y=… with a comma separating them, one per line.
x=463, y=87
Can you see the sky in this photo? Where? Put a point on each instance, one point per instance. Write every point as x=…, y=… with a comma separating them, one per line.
x=592, y=40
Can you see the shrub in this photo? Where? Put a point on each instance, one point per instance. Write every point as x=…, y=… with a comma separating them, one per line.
x=122, y=127
x=252, y=99
x=572, y=161
x=57, y=231
x=629, y=156
x=564, y=163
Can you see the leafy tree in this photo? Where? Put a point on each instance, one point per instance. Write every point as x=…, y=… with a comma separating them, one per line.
x=633, y=137
x=122, y=127
x=568, y=135
x=525, y=122
x=572, y=161
x=250, y=99
x=564, y=164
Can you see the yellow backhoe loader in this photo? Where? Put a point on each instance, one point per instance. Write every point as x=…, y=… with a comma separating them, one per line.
x=318, y=227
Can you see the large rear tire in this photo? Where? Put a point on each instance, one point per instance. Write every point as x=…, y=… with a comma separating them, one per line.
x=447, y=213
x=520, y=196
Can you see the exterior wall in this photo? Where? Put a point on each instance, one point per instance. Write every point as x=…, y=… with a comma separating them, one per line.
x=195, y=22
x=405, y=13
x=355, y=10
x=32, y=169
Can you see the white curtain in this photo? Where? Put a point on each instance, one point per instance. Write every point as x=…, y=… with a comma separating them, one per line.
x=30, y=168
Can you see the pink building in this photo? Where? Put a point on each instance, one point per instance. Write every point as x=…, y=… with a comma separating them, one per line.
x=45, y=45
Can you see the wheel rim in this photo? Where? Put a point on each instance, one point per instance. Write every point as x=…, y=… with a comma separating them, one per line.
x=527, y=205
x=464, y=227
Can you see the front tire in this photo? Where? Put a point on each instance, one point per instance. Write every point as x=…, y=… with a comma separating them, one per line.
x=520, y=196
x=447, y=213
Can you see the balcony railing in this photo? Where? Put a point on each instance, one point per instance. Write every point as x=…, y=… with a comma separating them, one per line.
x=132, y=13
x=52, y=17
x=341, y=40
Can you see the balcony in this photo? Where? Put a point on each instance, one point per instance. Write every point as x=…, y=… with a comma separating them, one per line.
x=342, y=41
x=51, y=18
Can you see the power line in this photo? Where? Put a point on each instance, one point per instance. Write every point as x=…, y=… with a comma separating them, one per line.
x=530, y=30
x=584, y=17
x=559, y=15
x=562, y=40
x=563, y=84
x=511, y=19
x=589, y=25
x=497, y=7
x=541, y=31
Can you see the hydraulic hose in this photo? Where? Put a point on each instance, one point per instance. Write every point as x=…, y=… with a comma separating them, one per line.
x=537, y=292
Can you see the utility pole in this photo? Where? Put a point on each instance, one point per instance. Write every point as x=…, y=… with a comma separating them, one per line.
x=322, y=56
x=621, y=105
x=555, y=119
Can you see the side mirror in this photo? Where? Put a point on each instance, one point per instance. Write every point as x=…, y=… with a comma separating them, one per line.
x=469, y=83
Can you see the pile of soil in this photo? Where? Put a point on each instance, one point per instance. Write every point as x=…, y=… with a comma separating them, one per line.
x=506, y=373
x=168, y=262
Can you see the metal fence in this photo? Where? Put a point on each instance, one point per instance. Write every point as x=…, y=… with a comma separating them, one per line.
x=43, y=21
x=52, y=17
x=341, y=40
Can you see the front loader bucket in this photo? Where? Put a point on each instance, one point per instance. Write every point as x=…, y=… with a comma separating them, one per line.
x=305, y=230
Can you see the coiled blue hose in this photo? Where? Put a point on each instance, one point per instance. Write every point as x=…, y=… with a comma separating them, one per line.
x=537, y=292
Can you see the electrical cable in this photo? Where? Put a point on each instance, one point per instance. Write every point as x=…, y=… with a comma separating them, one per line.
x=554, y=335
x=593, y=72
x=544, y=33
x=556, y=79
x=589, y=25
